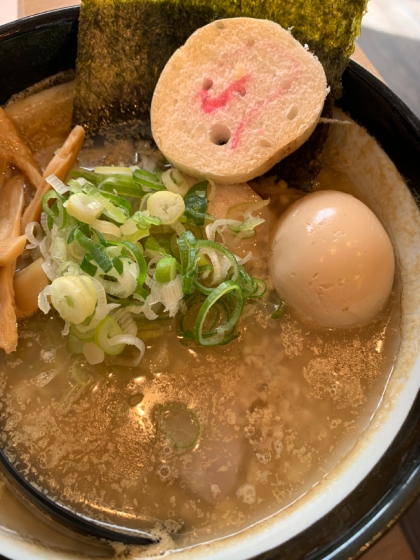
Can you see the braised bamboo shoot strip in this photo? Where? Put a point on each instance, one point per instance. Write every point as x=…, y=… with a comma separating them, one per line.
x=19, y=153
x=8, y=326
x=11, y=248
x=11, y=205
x=59, y=166
x=28, y=284
x=36, y=115
x=4, y=168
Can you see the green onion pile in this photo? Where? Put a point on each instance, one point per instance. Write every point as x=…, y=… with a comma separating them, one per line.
x=120, y=244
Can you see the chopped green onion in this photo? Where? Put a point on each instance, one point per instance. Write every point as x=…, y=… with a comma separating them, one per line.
x=175, y=182
x=153, y=246
x=148, y=180
x=86, y=336
x=150, y=332
x=94, y=250
x=261, y=288
x=107, y=269
x=197, y=231
x=57, y=184
x=110, y=209
x=113, y=171
x=179, y=424
x=106, y=330
x=167, y=206
x=86, y=174
x=223, y=333
x=279, y=311
x=249, y=224
x=92, y=353
x=247, y=283
x=245, y=209
x=75, y=343
x=196, y=203
x=187, y=245
x=107, y=229
x=119, y=201
x=173, y=246
x=122, y=186
x=203, y=244
x=88, y=267
x=83, y=207
x=218, y=313
x=118, y=265
x=101, y=239
x=136, y=255
x=56, y=212
x=74, y=297
x=166, y=270
x=136, y=236
x=142, y=292
x=145, y=221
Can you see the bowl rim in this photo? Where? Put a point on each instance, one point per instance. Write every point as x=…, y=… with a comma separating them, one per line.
x=370, y=518
x=31, y=23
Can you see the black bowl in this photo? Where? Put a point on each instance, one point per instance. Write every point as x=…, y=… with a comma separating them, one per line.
x=40, y=46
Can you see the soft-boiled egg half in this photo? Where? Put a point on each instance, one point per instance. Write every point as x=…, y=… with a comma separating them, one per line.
x=332, y=260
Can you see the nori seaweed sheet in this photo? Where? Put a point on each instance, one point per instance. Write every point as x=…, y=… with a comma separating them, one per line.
x=123, y=46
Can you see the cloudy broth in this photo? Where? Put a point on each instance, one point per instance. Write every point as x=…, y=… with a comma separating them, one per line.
x=202, y=442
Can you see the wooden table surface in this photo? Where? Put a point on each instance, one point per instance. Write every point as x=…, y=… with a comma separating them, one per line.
x=394, y=545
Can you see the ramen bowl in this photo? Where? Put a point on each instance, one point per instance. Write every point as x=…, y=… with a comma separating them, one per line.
x=374, y=483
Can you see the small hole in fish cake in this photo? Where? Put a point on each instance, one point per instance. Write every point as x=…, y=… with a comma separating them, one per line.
x=219, y=134
x=265, y=143
x=220, y=25
x=293, y=112
x=250, y=42
x=242, y=91
x=207, y=84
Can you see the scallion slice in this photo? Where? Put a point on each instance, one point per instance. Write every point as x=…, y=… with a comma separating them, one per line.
x=109, y=170
x=106, y=330
x=167, y=206
x=175, y=182
x=196, y=203
x=90, y=176
x=279, y=311
x=148, y=180
x=74, y=297
x=83, y=207
x=88, y=267
x=261, y=288
x=165, y=270
x=136, y=255
x=203, y=244
x=107, y=229
x=57, y=184
x=95, y=251
x=179, y=424
x=119, y=201
x=56, y=212
x=223, y=333
x=187, y=245
x=121, y=185
x=110, y=209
